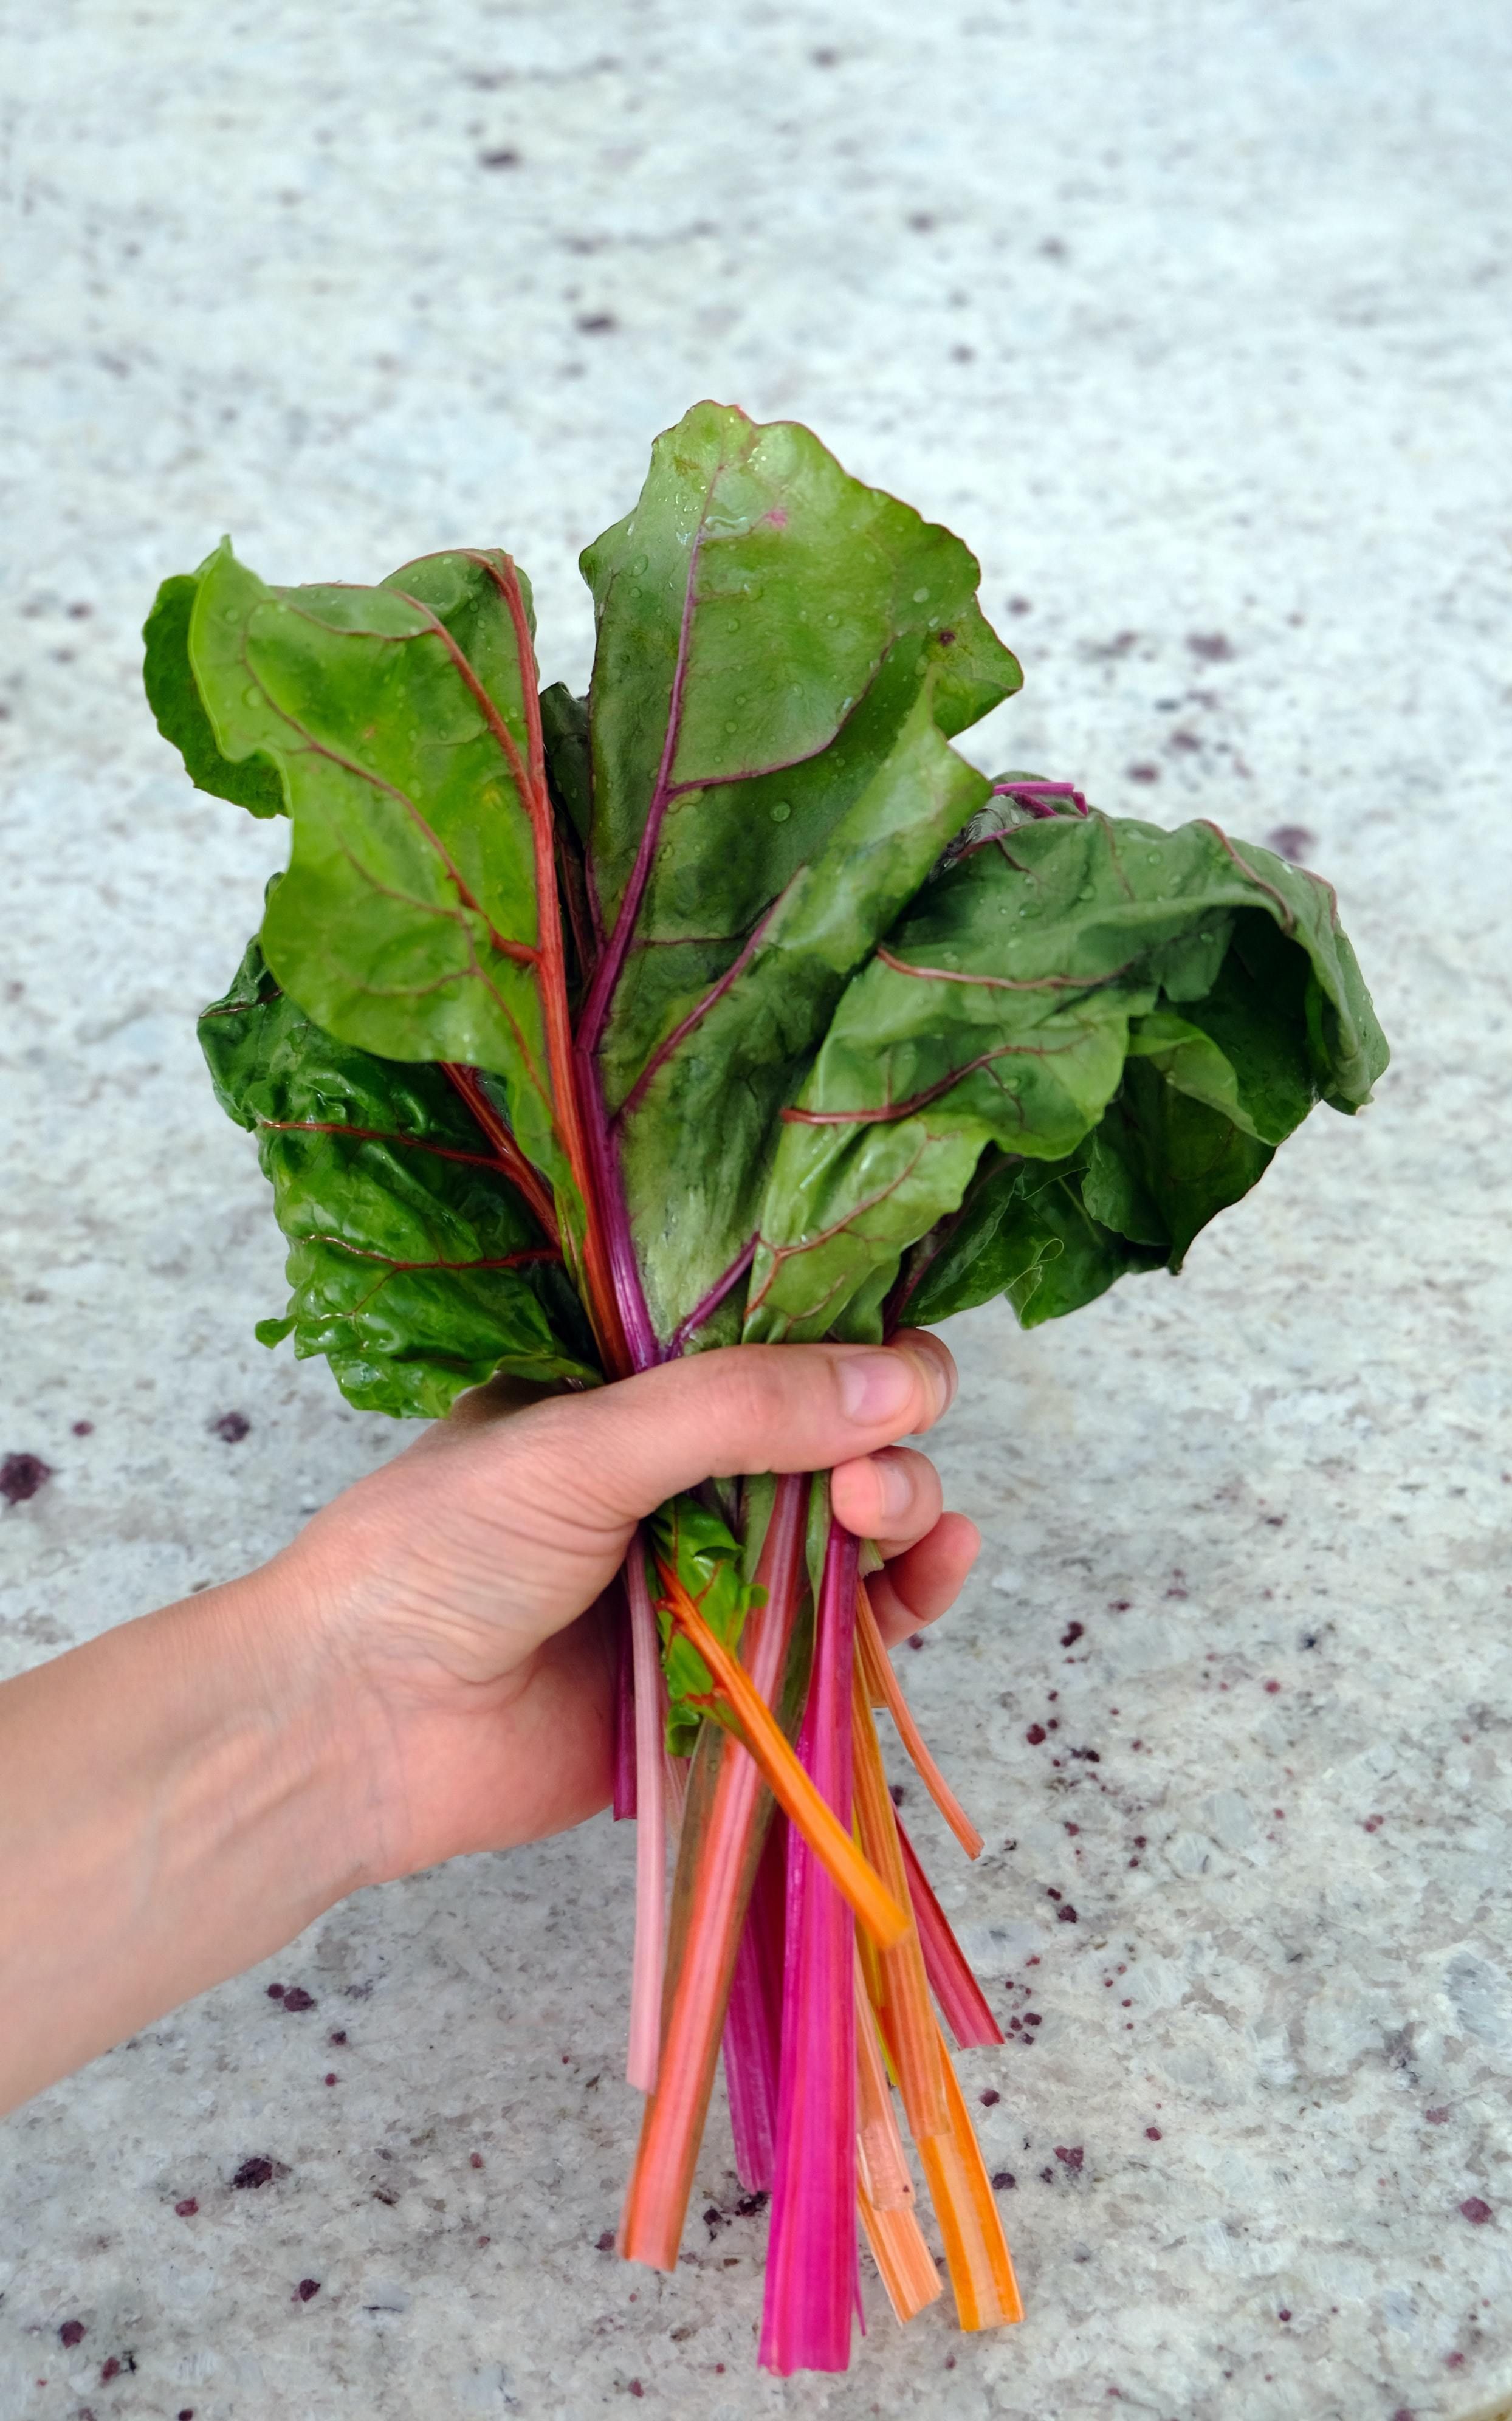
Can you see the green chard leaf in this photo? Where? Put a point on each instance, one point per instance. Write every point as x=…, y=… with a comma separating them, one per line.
x=783, y=655
x=711, y=1564
x=396, y=724
x=1128, y=1019
x=414, y=1266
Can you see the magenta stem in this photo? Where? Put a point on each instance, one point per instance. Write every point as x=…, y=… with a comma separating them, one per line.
x=753, y=2022
x=811, y=2260
x=1033, y=795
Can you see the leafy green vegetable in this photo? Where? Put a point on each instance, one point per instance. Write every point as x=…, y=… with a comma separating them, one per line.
x=1180, y=1003
x=408, y=921
x=414, y=1266
x=585, y=1033
x=699, y=1548
x=782, y=655
x=791, y=1059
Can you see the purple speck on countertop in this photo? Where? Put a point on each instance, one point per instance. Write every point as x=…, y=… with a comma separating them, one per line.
x=71, y=2333
x=307, y=2289
x=232, y=1427
x=22, y=1476
x=297, y=1998
x=256, y=2172
x=1477, y=2211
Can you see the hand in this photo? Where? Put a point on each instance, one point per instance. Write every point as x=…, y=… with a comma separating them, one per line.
x=421, y=1673
x=460, y=1583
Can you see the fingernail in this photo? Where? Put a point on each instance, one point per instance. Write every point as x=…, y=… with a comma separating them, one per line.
x=877, y=1387
x=895, y=1484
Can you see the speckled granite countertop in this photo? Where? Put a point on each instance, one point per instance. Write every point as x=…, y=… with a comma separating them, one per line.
x=1196, y=324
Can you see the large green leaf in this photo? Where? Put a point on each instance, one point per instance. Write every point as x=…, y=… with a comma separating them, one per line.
x=782, y=656
x=414, y=1266
x=1172, y=1002
x=395, y=719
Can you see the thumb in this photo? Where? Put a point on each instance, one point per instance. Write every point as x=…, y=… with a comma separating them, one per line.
x=624, y=1449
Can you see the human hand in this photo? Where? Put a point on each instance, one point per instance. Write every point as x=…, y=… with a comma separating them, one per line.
x=421, y=1672
x=458, y=1587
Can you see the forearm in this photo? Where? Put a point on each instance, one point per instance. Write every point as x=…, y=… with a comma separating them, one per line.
x=177, y=1800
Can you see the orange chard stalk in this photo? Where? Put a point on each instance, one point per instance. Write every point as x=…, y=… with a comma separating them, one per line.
x=881, y=2158
x=976, y=2250
x=902, y=2257
x=898, y=1981
x=883, y=1913
x=882, y=1691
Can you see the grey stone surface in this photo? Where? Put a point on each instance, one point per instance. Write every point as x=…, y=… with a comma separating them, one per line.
x=1195, y=323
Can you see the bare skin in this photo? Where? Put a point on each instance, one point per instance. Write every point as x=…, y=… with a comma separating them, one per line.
x=422, y=1673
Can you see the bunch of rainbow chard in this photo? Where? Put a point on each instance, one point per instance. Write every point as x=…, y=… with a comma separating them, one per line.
x=732, y=1002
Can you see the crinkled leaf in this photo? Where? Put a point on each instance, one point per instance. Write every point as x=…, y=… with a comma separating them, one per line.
x=782, y=656
x=414, y=1266
x=1025, y=1230
x=710, y=1562
x=1024, y=1002
x=396, y=717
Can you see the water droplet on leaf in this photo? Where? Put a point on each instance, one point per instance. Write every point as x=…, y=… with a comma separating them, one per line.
x=781, y=811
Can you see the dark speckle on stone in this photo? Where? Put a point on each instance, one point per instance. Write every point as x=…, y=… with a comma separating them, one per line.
x=71, y=2333
x=635, y=2387
x=1154, y=2134
x=1035, y=1734
x=22, y=1476
x=187, y=2209
x=597, y=323
x=825, y=58
x=256, y=2172
x=1293, y=841
x=109, y=2369
x=83, y=1429
x=232, y=1427
x=605, y=2243
x=297, y=1998
x=340, y=2036
x=307, y=2289
x=1065, y=1914
x=1143, y=773
x=1004, y=2181
x=1439, y=2118
x=186, y=2413
x=895, y=1794
x=498, y=159
x=1071, y=1633
x=475, y=2160
x=276, y=1992
x=1070, y=2156
x=989, y=2096
x=1477, y=2211
x=1210, y=647
x=750, y=2206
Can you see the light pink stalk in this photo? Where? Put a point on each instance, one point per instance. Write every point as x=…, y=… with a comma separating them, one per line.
x=651, y=1829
